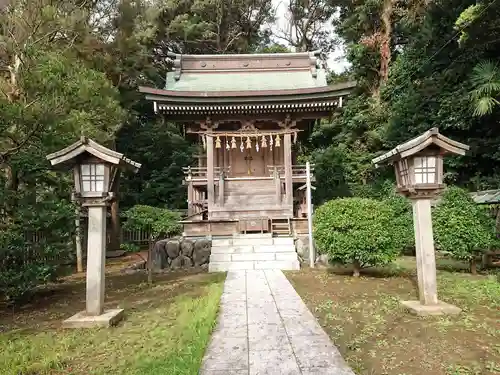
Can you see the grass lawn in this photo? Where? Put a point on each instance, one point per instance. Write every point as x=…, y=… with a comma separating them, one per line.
x=376, y=336
x=165, y=331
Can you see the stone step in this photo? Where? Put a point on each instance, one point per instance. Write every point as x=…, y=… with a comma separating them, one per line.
x=253, y=265
x=229, y=249
x=252, y=241
x=238, y=257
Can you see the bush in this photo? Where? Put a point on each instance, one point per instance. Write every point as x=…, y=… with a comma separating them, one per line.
x=160, y=221
x=358, y=231
x=28, y=260
x=461, y=228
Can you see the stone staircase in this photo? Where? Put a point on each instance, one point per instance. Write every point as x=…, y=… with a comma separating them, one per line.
x=251, y=199
x=252, y=252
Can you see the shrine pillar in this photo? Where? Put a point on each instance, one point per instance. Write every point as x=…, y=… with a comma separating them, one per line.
x=210, y=170
x=287, y=148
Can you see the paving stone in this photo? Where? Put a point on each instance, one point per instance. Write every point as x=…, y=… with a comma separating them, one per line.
x=233, y=308
x=325, y=371
x=238, y=331
x=230, y=353
x=264, y=304
x=316, y=351
x=232, y=321
x=259, y=315
x=232, y=297
x=301, y=325
x=273, y=362
x=264, y=328
x=225, y=372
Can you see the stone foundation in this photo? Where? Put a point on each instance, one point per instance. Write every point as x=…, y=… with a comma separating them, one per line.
x=176, y=253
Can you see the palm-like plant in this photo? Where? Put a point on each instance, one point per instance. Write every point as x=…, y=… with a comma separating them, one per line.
x=486, y=82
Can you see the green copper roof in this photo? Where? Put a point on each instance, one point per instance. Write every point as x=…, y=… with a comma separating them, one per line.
x=243, y=81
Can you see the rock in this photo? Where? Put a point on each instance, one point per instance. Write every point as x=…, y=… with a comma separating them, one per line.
x=302, y=247
x=159, y=256
x=173, y=248
x=201, y=253
x=181, y=261
x=187, y=247
x=323, y=259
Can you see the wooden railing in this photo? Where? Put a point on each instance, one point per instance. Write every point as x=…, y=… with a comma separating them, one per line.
x=298, y=170
x=201, y=172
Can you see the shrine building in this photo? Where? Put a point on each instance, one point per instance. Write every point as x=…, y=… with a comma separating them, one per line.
x=248, y=114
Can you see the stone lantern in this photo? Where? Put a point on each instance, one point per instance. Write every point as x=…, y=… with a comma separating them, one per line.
x=95, y=171
x=418, y=165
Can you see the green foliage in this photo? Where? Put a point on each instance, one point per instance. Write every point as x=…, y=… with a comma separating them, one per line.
x=358, y=231
x=163, y=152
x=130, y=247
x=461, y=228
x=160, y=221
x=486, y=87
x=34, y=248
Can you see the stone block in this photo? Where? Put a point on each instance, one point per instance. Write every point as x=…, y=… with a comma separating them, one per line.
x=229, y=266
x=252, y=241
x=173, y=248
x=441, y=308
x=229, y=353
x=181, y=261
x=82, y=320
x=283, y=241
x=278, y=264
x=272, y=362
x=274, y=248
x=253, y=257
x=286, y=256
x=219, y=257
x=187, y=247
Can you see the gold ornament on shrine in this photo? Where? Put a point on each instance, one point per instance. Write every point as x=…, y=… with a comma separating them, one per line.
x=227, y=144
x=249, y=142
x=217, y=142
x=278, y=141
x=233, y=143
x=270, y=143
x=257, y=143
x=241, y=144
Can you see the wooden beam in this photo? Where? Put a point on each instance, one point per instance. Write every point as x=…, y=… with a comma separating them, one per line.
x=210, y=171
x=287, y=149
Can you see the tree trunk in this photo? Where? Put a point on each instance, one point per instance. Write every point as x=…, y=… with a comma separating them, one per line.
x=356, y=268
x=11, y=187
x=115, y=229
x=385, y=42
x=115, y=240
x=473, y=266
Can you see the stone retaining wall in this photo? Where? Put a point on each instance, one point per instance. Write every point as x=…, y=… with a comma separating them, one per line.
x=181, y=252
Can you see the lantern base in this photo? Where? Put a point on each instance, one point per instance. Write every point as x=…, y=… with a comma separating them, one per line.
x=81, y=320
x=441, y=308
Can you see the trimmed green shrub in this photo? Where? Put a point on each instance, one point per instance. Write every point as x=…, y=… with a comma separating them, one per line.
x=358, y=231
x=33, y=249
x=461, y=228
x=160, y=221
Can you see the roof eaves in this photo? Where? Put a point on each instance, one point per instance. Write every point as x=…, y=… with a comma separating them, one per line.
x=431, y=136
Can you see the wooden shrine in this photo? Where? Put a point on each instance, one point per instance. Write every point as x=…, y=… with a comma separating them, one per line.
x=247, y=112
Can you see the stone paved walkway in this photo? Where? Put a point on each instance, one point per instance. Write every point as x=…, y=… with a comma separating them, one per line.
x=264, y=328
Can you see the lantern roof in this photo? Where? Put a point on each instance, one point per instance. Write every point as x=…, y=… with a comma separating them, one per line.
x=417, y=144
x=68, y=154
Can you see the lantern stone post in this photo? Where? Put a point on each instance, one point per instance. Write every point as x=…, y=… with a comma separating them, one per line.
x=95, y=172
x=418, y=165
